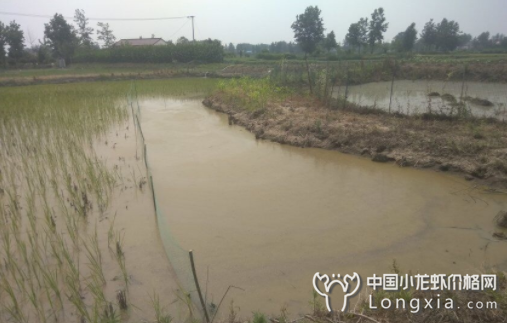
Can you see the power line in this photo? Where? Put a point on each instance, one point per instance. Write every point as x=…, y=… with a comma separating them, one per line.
x=96, y=19
x=186, y=22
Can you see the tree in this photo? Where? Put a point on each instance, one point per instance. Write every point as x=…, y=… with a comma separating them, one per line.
x=105, y=34
x=378, y=26
x=308, y=29
x=308, y=32
x=61, y=37
x=280, y=47
x=363, y=31
x=3, y=31
x=15, y=37
x=231, y=48
x=464, y=39
x=330, y=41
x=447, y=35
x=429, y=34
x=353, y=37
x=409, y=38
x=182, y=40
x=498, y=40
x=397, y=43
x=482, y=41
x=357, y=36
x=83, y=30
x=43, y=51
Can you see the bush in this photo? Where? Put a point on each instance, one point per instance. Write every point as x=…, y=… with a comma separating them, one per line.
x=275, y=57
x=200, y=52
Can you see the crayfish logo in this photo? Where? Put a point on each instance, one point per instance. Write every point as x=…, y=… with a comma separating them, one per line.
x=330, y=284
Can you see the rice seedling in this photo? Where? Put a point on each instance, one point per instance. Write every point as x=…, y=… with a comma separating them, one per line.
x=94, y=256
x=160, y=315
x=120, y=258
x=53, y=184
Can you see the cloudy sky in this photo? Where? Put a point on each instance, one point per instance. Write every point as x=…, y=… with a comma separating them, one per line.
x=255, y=21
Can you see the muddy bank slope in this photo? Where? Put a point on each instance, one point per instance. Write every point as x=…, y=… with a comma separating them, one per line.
x=474, y=149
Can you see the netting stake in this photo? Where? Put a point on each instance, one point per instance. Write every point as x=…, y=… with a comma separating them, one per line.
x=191, y=254
x=153, y=194
x=392, y=87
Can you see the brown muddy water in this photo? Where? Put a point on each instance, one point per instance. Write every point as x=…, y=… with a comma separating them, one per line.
x=411, y=97
x=265, y=217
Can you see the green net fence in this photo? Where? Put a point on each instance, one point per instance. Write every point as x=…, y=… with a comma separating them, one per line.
x=178, y=257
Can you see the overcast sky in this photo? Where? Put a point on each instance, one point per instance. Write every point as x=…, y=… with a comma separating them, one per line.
x=256, y=21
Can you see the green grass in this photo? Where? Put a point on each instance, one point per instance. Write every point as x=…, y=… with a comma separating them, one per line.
x=108, y=69
x=252, y=94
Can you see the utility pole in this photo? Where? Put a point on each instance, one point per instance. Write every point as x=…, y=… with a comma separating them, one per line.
x=192, y=17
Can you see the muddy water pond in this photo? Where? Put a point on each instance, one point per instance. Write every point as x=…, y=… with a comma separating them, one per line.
x=265, y=217
x=413, y=97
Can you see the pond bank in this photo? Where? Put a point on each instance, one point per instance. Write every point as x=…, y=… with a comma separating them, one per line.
x=475, y=149
x=63, y=79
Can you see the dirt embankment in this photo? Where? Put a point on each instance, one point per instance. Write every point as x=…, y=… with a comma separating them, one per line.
x=346, y=72
x=475, y=149
x=61, y=79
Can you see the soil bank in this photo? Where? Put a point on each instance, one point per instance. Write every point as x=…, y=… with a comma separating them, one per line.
x=474, y=149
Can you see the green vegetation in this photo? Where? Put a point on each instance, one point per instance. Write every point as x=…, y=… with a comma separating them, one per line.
x=357, y=37
x=51, y=182
x=309, y=29
x=405, y=41
x=309, y=32
x=61, y=38
x=53, y=188
x=76, y=44
x=377, y=28
x=250, y=94
x=443, y=36
x=3, y=42
x=14, y=36
x=105, y=34
x=258, y=317
x=83, y=30
x=204, y=52
x=117, y=69
x=275, y=57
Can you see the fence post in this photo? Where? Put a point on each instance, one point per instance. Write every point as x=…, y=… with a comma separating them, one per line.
x=463, y=82
x=191, y=254
x=346, y=85
x=392, y=87
x=329, y=99
x=462, y=105
x=153, y=194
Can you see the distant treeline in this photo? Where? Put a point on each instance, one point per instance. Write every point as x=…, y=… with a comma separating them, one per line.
x=68, y=43
x=280, y=47
x=206, y=52
x=366, y=36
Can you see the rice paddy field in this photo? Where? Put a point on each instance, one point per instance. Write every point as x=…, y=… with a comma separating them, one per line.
x=76, y=208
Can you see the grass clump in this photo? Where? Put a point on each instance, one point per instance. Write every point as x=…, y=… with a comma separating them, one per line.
x=251, y=94
x=478, y=101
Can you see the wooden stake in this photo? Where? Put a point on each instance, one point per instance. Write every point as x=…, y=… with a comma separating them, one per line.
x=392, y=86
x=197, y=285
